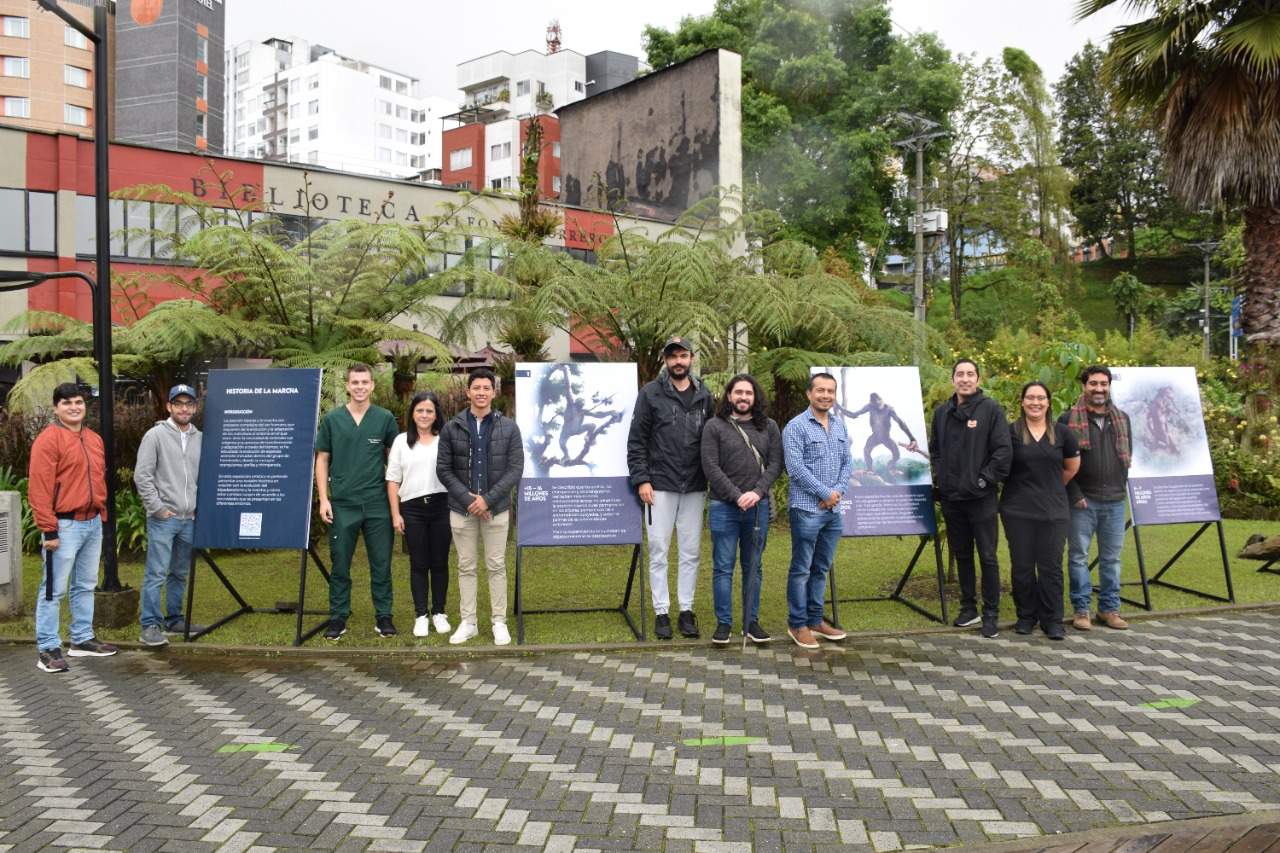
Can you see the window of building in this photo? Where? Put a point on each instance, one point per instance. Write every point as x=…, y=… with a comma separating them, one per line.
x=402, y=159
x=384, y=82
x=202, y=49
x=501, y=151
x=460, y=159
x=418, y=161
x=17, y=107
x=384, y=108
x=402, y=88
x=578, y=86
x=239, y=113
x=313, y=108
x=202, y=125
x=402, y=135
x=295, y=110
x=294, y=138
x=72, y=37
x=384, y=131
x=419, y=116
x=522, y=87
x=73, y=75
x=313, y=133
x=27, y=221
x=16, y=66
x=202, y=87
x=555, y=149
x=384, y=155
x=16, y=27
x=542, y=88
x=313, y=82
x=13, y=226
x=71, y=114
x=313, y=157
x=402, y=113
x=555, y=183
x=242, y=59
x=495, y=184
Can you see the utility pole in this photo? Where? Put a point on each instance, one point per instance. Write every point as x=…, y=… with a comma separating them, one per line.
x=1207, y=248
x=924, y=131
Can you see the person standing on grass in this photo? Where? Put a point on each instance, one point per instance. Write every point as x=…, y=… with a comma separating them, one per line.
x=420, y=511
x=351, y=451
x=665, y=462
x=741, y=456
x=165, y=475
x=480, y=461
x=67, y=491
x=1097, y=498
x=819, y=465
x=1035, y=511
x=971, y=452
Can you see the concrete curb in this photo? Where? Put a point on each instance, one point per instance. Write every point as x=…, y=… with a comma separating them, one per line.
x=1114, y=837
x=464, y=652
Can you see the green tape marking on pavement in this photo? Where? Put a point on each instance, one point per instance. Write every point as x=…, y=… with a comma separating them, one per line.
x=255, y=747
x=727, y=740
x=1171, y=702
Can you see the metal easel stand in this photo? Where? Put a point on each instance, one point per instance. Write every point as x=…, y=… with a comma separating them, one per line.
x=897, y=595
x=1157, y=578
x=623, y=609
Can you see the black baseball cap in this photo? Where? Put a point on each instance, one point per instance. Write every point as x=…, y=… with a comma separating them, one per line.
x=677, y=342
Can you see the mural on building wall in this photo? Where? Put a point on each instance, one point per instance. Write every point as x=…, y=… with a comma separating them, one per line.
x=651, y=147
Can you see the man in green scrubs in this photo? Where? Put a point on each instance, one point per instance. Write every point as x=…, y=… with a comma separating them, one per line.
x=351, y=457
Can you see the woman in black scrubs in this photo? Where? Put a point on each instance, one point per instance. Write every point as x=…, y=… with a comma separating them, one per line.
x=1036, y=512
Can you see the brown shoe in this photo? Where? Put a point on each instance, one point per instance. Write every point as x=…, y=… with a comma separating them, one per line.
x=1112, y=619
x=803, y=637
x=1081, y=621
x=827, y=631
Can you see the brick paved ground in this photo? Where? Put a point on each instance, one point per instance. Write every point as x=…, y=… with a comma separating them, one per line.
x=884, y=744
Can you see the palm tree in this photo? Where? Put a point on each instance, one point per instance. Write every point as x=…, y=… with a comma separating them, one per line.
x=1210, y=72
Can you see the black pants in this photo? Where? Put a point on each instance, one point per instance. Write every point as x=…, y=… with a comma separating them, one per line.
x=1035, y=552
x=426, y=527
x=969, y=524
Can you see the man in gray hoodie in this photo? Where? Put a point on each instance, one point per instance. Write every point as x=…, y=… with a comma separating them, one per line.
x=165, y=474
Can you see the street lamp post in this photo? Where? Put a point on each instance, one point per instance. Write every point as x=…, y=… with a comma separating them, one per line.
x=102, y=230
x=1207, y=248
x=924, y=133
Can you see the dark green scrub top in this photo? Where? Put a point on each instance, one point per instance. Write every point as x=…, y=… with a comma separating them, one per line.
x=357, y=456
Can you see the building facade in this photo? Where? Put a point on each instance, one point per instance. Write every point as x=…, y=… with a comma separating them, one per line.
x=291, y=101
x=46, y=68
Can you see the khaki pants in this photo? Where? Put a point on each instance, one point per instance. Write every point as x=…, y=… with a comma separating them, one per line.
x=467, y=533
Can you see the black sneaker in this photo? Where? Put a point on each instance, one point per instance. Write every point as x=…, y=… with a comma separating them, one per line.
x=52, y=661
x=756, y=634
x=968, y=618
x=1025, y=626
x=721, y=636
x=662, y=627
x=385, y=627
x=91, y=648
x=1054, y=631
x=688, y=625
x=990, y=628
x=337, y=627
x=179, y=626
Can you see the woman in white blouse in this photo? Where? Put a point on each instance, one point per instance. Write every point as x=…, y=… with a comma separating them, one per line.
x=420, y=511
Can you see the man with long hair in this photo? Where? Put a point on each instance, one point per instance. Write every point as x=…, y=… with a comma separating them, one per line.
x=741, y=456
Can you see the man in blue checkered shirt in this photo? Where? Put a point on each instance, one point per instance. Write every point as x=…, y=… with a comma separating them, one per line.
x=815, y=446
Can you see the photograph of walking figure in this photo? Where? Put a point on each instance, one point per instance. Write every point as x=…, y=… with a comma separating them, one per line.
x=884, y=415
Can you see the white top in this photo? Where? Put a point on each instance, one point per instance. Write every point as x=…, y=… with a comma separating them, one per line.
x=414, y=468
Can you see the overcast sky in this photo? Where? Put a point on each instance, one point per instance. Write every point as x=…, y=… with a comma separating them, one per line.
x=428, y=38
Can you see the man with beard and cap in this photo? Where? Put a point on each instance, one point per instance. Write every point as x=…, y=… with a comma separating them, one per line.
x=665, y=461
x=1097, y=498
x=165, y=475
x=972, y=451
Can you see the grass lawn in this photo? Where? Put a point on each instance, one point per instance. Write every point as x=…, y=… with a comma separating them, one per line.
x=596, y=576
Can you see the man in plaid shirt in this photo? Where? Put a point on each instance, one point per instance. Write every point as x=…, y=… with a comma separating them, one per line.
x=815, y=446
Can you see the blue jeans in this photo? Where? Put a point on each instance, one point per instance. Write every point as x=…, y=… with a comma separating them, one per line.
x=168, y=562
x=814, y=536
x=1106, y=518
x=75, y=562
x=736, y=530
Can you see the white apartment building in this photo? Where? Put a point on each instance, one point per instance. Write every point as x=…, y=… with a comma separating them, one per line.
x=292, y=101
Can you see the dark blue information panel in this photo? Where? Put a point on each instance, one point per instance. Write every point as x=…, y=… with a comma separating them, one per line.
x=258, y=457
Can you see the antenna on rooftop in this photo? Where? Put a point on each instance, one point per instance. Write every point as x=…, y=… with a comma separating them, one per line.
x=553, y=36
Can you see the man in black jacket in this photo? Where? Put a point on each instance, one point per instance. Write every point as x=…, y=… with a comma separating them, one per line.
x=480, y=460
x=663, y=455
x=971, y=451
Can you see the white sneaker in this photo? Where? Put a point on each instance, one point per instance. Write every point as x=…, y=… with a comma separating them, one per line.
x=422, y=626
x=501, y=636
x=466, y=631
x=441, y=623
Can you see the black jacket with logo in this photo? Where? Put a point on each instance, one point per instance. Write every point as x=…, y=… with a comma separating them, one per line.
x=970, y=449
x=664, y=445
x=505, y=462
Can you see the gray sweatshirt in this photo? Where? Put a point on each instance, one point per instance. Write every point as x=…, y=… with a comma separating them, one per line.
x=166, y=475
x=729, y=464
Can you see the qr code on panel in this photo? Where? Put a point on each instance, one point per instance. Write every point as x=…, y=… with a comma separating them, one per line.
x=250, y=525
